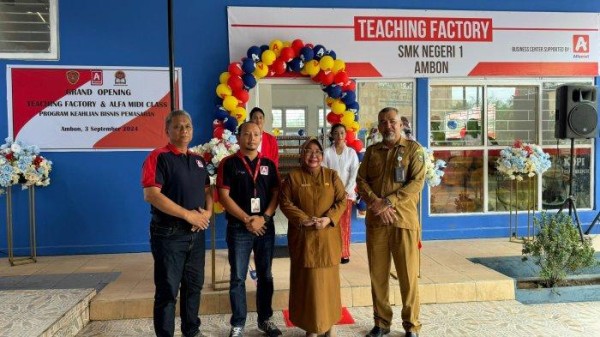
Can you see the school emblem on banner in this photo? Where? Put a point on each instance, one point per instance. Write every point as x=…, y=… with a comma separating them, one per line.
x=72, y=76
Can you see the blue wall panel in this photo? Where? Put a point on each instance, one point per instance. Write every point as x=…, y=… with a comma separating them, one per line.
x=94, y=203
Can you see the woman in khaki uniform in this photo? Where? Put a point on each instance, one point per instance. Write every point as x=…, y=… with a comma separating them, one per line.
x=313, y=199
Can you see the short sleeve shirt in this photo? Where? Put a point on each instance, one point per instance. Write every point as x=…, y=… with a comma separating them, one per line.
x=238, y=178
x=181, y=177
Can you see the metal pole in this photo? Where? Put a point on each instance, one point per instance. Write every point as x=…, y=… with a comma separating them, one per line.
x=171, y=54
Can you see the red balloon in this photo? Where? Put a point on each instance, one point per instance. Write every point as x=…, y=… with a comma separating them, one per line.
x=235, y=83
x=357, y=145
x=217, y=123
x=334, y=118
x=326, y=78
x=341, y=78
x=218, y=132
x=235, y=69
x=278, y=67
x=317, y=77
x=242, y=96
x=350, y=137
x=297, y=44
x=350, y=85
x=287, y=54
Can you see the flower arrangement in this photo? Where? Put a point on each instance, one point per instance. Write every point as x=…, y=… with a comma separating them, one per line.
x=523, y=159
x=217, y=149
x=22, y=164
x=434, y=168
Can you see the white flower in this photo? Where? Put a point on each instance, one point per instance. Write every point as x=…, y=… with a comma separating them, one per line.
x=22, y=164
x=433, y=168
x=521, y=160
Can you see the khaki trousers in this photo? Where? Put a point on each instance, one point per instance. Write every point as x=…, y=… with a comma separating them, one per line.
x=383, y=244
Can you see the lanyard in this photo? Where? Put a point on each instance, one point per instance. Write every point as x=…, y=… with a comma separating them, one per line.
x=249, y=170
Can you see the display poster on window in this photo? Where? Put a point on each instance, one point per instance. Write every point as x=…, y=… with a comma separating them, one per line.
x=428, y=43
x=89, y=108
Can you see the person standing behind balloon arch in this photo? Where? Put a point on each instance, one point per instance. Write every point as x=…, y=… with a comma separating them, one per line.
x=344, y=160
x=268, y=146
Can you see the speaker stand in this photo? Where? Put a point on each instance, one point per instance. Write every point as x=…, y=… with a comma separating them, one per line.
x=570, y=201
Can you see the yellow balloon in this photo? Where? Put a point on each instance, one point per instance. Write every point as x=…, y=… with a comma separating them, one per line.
x=354, y=126
x=338, y=65
x=348, y=118
x=287, y=44
x=268, y=57
x=338, y=107
x=312, y=68
x=303, y=72
x=230, y=103
x=276, y=46
x=224, y=77
x=261, y=70
x=240, y=114
x=223, y=90
x=218, y=208
x=276, y=132
x=326, y=62
x=329, y=101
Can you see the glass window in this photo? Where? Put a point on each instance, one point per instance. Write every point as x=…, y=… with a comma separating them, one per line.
x=456, y=116
x=277, y=118
x=511, y=113
x=28, y=29
x=374, y=96
x=295, y=118
x=461, y=190
x=508, y=112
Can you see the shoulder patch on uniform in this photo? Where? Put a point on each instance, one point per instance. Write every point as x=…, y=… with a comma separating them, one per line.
x=421, y=154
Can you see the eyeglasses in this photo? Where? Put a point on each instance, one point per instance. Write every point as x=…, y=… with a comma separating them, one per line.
x=311, y=153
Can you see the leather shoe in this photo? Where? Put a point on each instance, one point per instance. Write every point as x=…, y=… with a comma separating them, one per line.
x=411, y=334
x=378, y=332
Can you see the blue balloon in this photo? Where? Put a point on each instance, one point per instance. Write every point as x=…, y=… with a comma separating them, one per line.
x=230, y=124
x=221, y=113
x=353, y=106
x=254, y=53
x=362, y=133
x=361, y=205
x=249, y=81
x=306, y=54
x=348, y=97
x=296, y=64
x=319, y=51
x=301, y=132
x=361, y=155
x=331, y=53
x=334, y=91
x=263, y=48
x=248, y=65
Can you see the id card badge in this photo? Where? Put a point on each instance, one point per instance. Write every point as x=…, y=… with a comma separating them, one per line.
x=255, y=205
x=399, y=174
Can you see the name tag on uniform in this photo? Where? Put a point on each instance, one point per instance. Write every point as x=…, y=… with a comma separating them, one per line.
x=254, y=205
x=264, y=170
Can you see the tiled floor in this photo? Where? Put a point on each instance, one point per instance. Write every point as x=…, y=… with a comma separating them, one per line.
x=473, y=319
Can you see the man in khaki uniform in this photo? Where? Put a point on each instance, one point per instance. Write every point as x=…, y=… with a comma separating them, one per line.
x=390, y=179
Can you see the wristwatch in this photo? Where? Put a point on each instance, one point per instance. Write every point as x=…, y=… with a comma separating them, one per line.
x=267, y=217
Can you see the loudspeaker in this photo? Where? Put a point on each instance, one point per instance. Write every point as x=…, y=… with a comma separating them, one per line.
x=576, y=114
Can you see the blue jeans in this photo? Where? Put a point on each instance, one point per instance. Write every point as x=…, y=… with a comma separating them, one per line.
x=178, y=259
x=241, y=243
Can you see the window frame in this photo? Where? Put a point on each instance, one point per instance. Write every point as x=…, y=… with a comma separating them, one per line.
x=486, y=146
x=53, y=54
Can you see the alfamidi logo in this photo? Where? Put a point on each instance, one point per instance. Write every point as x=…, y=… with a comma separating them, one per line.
x=581, y=44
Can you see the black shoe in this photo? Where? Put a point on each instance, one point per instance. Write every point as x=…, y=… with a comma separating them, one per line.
x=269, y=328
x=411, y=334
x=378, y=332
x=345, y=260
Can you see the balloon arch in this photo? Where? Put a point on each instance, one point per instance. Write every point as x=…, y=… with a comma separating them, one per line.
x=279, y=58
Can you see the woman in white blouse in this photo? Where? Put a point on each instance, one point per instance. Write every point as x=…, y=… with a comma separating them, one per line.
x=344, y=160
